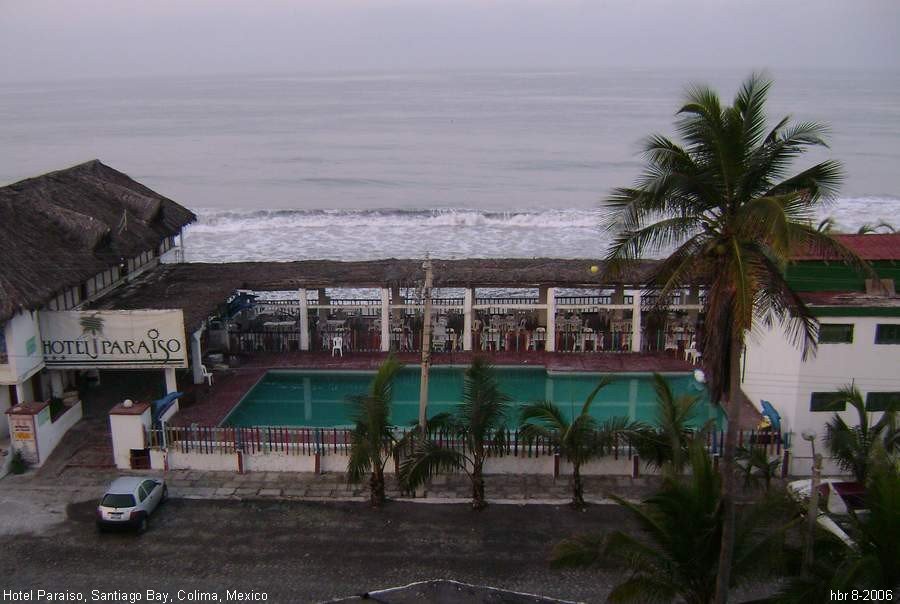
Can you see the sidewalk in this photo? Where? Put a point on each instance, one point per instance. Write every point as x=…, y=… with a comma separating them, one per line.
x=72, y=483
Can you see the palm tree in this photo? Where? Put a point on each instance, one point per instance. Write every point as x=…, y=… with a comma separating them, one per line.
x=852, y=447
x=478, y=422
x=723, y=204
x=827, y=225
x=872, y=562
x=884, y=226
x=667, y=444
x=578, y=440
x=372, y=441
x=676, y=558
x=757, y=466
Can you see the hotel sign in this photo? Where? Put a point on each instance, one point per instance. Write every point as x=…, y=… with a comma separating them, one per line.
x=106, y=339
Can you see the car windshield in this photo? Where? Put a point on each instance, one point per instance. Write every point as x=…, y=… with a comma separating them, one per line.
x=111, y=500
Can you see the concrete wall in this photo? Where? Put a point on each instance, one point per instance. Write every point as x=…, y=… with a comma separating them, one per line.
x=19, y=330
x=128, y=432
x=225, y=462
x=337, y=462
x=775, y=371
x=50, y=433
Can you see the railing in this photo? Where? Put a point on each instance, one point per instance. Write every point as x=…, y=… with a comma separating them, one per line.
x=331, y=441
x=362, y=338
x=264, y=341
x=571, y=340
x=503, y=302
x=448, y=301
x=603, y=300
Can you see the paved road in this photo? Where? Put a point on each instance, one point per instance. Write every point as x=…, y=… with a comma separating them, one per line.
x=307, y=552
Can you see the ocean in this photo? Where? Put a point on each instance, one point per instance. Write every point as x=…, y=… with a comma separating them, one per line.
x=358, y=166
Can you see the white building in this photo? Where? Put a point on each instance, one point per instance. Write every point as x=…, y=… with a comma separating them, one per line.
x=66, y=239
x=859, y=345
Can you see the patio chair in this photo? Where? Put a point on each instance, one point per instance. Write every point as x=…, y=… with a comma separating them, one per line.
x=691, y=353
x=337, y=345
x=206, y=374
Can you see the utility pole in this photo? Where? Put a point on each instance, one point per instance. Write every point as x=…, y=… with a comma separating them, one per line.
x=813, y=511
x=426, y=347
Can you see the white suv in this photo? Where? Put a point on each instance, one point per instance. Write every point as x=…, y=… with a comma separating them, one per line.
x=129, y=501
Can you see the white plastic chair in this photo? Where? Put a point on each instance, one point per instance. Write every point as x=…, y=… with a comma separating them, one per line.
x=691, y=353
x=337, y=345
x=206, y=374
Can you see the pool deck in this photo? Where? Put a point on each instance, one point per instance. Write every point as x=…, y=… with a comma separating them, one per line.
x=212, y=405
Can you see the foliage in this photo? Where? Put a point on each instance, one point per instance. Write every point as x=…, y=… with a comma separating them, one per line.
x=667, y=444
x=56, y=407
x=372, y=441
x=18, y=465
x=852, y=447
x=578, y=439
x=478, y=422
x=873, y=562
x=676, y=555
x=881, y=225
x=724, y=203
x=755, y=465
x=724, y=209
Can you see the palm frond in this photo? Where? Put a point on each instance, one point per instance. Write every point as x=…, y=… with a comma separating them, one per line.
x=429, y=459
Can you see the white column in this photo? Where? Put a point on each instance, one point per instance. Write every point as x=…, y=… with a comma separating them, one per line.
x=632, y=399
x=304, y=320
x=307, y=399
x=171, y=385
x=636, y=328
x=550, y=345
x=196, y=359
x=385, y=319
x=323, y=301
x=468, y=301
x=20, y=393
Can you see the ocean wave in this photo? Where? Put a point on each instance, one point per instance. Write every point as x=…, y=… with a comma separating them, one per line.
x=236, y=220
x=292, y=234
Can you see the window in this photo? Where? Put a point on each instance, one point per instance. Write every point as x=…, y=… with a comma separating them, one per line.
x=826, y=401
x=116, y=500
x=879, y=401
x=887, y=333
x=836, y=333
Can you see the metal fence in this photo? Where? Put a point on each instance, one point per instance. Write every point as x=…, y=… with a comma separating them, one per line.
x=330, y=441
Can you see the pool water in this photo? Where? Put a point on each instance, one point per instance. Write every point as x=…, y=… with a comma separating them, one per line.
x=320, y=398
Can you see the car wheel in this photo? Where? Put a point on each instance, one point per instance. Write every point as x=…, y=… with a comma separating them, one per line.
x=142, y=524
x=100, y=528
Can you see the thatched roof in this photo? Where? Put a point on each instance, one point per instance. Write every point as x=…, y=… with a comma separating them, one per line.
x=59, y=229
x=199, y=288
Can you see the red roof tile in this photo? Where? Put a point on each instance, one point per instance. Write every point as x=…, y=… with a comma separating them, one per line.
x=875, y=246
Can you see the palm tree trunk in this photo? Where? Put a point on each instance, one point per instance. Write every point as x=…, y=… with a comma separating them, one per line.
x=727, y=465
x=478, y=501
x=376, y=488
x=577, y=487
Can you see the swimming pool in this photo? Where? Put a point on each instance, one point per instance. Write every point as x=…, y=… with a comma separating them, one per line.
x=319, y=398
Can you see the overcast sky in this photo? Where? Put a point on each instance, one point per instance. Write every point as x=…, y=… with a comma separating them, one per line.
x=55, y=39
